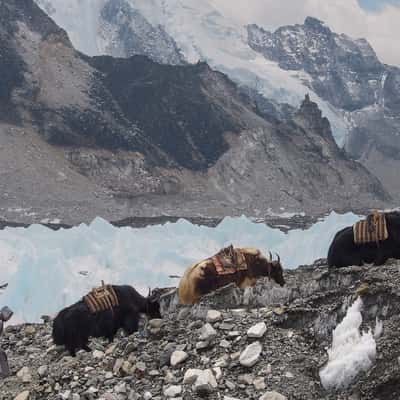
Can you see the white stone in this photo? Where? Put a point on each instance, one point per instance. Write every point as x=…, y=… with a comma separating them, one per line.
x=191, y=375
x=173, y=391
x=147, y=396
x=42, y=370
x=225, y=344
x=169, y=377
x=250, y=354
x=257, y=331
x=178, y=357
x=222, y=362
x=25, y=375
x=218, y=373
x=289, y=375
x=65, y=395
x=121, y=388
x=213, y=316
x=259, y=383
x=211, y=378
x=230, y=398
x=205, y=383
x=23, y=395
x=155, y=323
x=246, y=378
x=98, y=354
x=272, y=396
x=108, y=375
x=207, y=332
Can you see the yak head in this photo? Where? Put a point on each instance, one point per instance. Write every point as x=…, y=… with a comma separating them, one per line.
x=153, y=304
x=274, y=269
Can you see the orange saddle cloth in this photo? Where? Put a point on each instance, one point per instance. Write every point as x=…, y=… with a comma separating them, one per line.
x=372, y=229
x=229, y=261
x=101, y=298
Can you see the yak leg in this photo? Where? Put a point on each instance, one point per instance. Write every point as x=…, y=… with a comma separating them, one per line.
x=86, y=348
x=4, y=368
x=247, y=282
x=380, y=258
x=131, y=322
x=72, y=350
x=110, y=338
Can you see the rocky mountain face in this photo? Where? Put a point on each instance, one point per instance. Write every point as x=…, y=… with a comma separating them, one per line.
x=264, y=343
x=347, y=74
x=115, y=28
x=125, y=32
x=134, y=136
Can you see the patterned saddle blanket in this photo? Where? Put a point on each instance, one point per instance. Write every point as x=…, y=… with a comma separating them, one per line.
x=230, y=260
x=372, y=230
x=101, y=298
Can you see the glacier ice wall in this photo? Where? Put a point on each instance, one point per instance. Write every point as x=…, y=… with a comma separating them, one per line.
x=47, y=270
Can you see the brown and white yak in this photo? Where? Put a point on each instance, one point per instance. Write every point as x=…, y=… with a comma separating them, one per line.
x=242, y=266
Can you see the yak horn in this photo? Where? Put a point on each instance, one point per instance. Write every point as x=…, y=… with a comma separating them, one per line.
x=270, y=256
x=279, y=259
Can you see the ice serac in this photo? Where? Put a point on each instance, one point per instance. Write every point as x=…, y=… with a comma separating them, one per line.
x=48, y=270
x=348, y=75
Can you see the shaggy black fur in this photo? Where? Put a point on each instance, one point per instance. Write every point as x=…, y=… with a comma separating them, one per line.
x=74, y=325
x=344, y=252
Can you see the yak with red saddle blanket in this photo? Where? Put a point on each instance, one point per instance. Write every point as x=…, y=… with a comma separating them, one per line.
x=101, y=313
x=242, y=266
x=373, y=240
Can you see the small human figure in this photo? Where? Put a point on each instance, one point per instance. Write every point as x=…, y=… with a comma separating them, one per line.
x=5, y=314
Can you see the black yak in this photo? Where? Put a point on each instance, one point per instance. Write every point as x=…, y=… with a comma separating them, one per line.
x=102, y=316
x=344, y=249
x=242, y=266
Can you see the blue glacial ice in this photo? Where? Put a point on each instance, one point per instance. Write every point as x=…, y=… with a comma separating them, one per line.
x=47, y=270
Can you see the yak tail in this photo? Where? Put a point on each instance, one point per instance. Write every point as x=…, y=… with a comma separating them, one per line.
x=58, y=330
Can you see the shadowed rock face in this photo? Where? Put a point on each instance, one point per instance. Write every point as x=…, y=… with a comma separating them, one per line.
x=176, y=106
x=171, y=114
x=348, y=74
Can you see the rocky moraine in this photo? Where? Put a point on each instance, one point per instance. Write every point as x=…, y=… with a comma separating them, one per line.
x=264, y=343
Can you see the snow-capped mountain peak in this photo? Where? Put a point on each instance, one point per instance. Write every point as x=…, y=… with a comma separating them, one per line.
x=354, y=90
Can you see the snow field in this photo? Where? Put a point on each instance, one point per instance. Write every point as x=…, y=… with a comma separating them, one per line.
x=352, y=351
